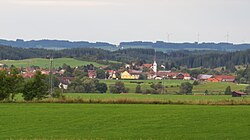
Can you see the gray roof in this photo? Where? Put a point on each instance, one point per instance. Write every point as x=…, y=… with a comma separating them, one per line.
x=204, y=76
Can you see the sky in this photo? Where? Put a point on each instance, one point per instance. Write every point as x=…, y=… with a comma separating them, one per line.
x=115, y=21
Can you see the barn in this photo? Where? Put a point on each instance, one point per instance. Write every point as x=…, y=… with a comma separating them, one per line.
x=238, y=94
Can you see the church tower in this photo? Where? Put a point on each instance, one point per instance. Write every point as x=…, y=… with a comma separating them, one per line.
x=154, y=64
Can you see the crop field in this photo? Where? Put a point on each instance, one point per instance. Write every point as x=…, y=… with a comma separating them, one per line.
x=99, y=121
x=44, y=63
x=172, y=86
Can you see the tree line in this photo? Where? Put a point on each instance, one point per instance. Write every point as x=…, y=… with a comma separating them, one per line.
x=189, y=59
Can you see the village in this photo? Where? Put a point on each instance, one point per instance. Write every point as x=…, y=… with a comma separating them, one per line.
x=66, y=74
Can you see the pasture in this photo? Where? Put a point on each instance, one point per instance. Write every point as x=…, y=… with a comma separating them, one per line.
x=44, y=63
x=172, y=86
x=146, y=97
x=99, y=121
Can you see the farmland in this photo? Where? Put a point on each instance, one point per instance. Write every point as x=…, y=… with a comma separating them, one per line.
x=172, y=86
x=93, y=121
x=145, y=97
x=44, y=63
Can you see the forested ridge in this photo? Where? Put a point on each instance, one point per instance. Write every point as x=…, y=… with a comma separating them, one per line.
x=158, y=45
x=190, y=59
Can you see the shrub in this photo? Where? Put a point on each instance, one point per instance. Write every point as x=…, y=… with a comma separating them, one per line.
x=196, y=83
x=138, y=89
x=186, y=88
x=118, y=87
x=57, y=93
x=228, y=91
x=248, y=89
x=101, y=87
x=147, y=91
x=206, y=91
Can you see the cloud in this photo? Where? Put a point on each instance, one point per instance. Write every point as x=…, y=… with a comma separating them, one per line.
x=87, y=3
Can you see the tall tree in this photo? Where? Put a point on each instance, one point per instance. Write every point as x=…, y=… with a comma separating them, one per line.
x=100, y=74
x=36, y=87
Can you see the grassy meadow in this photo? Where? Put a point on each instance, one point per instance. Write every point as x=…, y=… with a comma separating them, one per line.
x=44, y=63
x=145, y=97
x=172, y=86
x=99, y=121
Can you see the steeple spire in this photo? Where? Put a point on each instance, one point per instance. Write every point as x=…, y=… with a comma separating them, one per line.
x=155, y=64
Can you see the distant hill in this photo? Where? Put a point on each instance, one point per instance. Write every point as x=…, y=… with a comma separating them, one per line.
x=164, y=46
x=44, y=63
x=56, y=44
x=158, y=46
x=172, y=59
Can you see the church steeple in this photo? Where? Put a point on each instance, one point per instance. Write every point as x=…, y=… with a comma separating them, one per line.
x=155, y=64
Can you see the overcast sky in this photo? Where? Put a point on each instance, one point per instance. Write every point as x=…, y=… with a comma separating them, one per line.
x=126, y=20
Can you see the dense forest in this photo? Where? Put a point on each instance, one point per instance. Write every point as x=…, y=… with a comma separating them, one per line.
x=56, y=44
x=189, y=59
x=158, y=45
x=166, y=46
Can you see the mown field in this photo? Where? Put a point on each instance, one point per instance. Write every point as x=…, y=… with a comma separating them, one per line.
x=172, y=86
x=148, y=97
x=44, y=63
x=99, y=121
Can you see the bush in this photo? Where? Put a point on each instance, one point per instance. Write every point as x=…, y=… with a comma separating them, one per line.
x=138, y=89
x=147, y=91
x=87, y=85
x=186, y=88
x=118, y=87
x=101, y=87
x=248, y=90
x=206, y=91
x=196, y=83
x=228, y=91
x=157, y=88
x=57, y=93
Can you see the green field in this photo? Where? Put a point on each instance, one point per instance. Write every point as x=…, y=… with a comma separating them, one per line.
x=143, y=97
x=173, y=86
x=44, y=63
x=98, y=121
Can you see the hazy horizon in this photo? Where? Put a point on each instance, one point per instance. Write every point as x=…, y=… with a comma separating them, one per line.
x=117, y=21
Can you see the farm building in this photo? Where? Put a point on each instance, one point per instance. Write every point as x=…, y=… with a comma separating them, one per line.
x=65, y=82
x=238, y=94
x=91, y=74
x=225, y=78
x=127, y=76
x=204, y=77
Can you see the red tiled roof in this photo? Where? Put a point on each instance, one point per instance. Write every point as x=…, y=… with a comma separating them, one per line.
x=224, y=76
x=186, y=74
x=110, y=71
x=147, y=65
x=28, y=75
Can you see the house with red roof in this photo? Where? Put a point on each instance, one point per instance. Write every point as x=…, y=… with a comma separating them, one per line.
x=225, y=78
x=28, y=74
x=92, y=74
x=147, y=65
